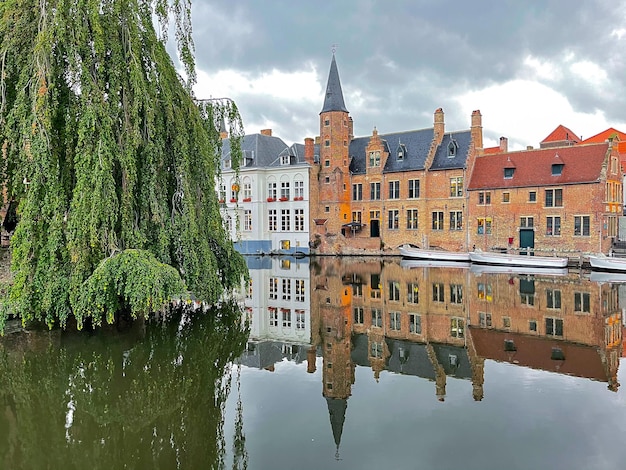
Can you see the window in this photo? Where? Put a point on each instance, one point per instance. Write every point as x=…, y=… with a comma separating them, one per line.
x=526, y=222
x=222, y=193
x=375, y=191
x=326, y=163
x=456, y=220
x=452, y=147
x=394, y=321
x=553, y=299
x=414, y=189
x=394, y=190
x=457, y=327
x=273, y=288
x=411, y=219
x=286, y=289
x=506, y=197
x=553, y=226
x=438, y=292
x=484, y=198
x=508, y=173
x=285, y=245
x=299, y=283
x=375, y=286
x=357, y=192
x=284, y=190
x=272, y=220
x=271, y=190
x=377, y=318
x=247, y=190
x=557, y=169
x=327, y=122
x=285, y=159
x=356, y=216
x=357, y=290
x=326, y=143
x=554, y=198
x=327, y=179
x=506, y=322
x=532, y=196
x=234, y=192
x=483, y=225
x=554, y=326
x=582, y=302
x=273, y=316
x=298, y=189
x=394, y=291
x=485, y=292
x=285, y=220
x=437, y=220
x=247, y=220
x=412, y=294
x=415, y=323
x=394, y=219
x=358, y=315
x=298, y=215
x=300, y=320
x=400, y=152
x=376, y=350
x=375, y=159
x=286, y=318
x=484, y=320
x=456, y=186
x=581, y=225
x=456, y=293
x=532, y=325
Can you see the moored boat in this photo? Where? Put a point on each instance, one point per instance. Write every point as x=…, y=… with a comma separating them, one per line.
x=433, y=263
x=506, y=259
x=607, y=263
x=412, y=252
x=494, y=269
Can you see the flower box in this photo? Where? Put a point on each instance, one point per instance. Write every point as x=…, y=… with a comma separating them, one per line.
x=283, y=199
x=298, y=198
x=222, y=201
x=271, y=199
x=247, y=199
x=233, y=200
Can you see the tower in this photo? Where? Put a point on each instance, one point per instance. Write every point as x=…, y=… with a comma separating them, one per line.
x=334, y=175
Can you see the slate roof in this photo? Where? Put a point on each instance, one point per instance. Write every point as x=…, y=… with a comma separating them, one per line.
x=416, y=145
x=334, y=96
x=260, y=151
x=561, y=134
x=461, y=141
x=582, y=164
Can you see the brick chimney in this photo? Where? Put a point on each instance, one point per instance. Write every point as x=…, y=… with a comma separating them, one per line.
x=350, y=128
x=309, y=150
x=504, y=144
x=477, y=129
x=439, y=125
x=266, y=132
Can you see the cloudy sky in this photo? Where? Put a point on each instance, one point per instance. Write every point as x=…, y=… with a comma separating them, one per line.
x=528, y=66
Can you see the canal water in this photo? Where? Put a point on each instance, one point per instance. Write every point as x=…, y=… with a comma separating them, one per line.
x=335, y=363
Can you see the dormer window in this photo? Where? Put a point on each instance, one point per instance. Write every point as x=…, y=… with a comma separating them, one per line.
x=401, y=152
x=508, y=173
x=557, y=169
x=284, y=159
x=452, y=148
x=227, y=164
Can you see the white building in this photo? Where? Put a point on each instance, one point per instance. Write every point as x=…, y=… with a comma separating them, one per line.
x=266, y=208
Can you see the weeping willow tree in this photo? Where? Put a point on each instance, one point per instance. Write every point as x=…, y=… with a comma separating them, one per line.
x=110, y=162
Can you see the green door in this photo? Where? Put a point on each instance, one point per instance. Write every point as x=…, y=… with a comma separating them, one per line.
x=526, y=240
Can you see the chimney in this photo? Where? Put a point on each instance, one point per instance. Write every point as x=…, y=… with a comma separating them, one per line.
x=350, y=128
x=477, y=129
x=504, y=144
x=439, y=125
x=309, y=150
x=529, y=147
x=266, y=132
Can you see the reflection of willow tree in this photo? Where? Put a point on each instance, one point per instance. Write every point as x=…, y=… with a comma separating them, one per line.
x=157, y=401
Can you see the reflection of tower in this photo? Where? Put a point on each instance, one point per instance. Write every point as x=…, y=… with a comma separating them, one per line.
x=440, y=373
x=334, y=301
x=478, y=368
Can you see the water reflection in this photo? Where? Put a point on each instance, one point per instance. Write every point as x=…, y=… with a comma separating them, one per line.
x=149, y=397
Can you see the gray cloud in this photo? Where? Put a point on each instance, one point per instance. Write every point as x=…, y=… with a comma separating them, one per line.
x=407, y=58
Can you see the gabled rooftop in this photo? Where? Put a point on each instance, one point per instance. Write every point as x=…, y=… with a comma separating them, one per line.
x=603, y=136
x=560, y=136
x=581, y=164
x=260, y=150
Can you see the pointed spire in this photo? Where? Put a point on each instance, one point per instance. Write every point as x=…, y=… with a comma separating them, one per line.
x=334, y=95
x=337, y=410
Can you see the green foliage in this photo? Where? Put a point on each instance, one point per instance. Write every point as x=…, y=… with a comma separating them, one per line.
x=104, y=150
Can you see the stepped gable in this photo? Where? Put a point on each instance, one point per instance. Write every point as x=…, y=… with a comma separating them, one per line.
x=453, y=151
x=581, y=164
x=416, y=145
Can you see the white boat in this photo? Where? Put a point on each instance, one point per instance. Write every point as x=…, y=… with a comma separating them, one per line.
x=494, y=269
x=506, y=259
x=612, y=277
x=607, y=263
x=412, y=252
x=433, y=263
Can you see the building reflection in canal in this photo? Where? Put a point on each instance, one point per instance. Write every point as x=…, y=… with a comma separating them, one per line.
x=437, y=323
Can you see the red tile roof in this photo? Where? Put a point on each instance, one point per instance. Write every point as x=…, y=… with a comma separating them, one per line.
x=604, y=136
x=491, y=150
x=581, y=164
x=561, y=134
